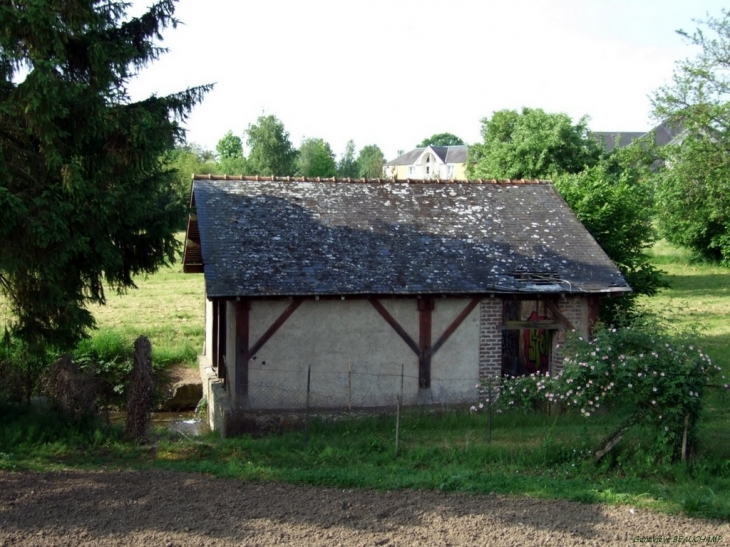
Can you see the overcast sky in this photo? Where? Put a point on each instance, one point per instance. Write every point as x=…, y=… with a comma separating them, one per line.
x=394, y=72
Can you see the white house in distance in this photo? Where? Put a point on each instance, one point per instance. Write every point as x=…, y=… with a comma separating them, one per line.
x=429, y=163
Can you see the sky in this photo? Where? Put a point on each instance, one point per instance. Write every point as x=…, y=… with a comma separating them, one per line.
x=393, y=72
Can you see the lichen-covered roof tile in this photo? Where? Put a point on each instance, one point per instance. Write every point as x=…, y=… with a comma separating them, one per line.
x=278, y=237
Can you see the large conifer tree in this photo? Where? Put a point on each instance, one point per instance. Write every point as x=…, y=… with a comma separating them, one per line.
x=84, y=195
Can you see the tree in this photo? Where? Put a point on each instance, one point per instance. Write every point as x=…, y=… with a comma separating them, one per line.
x=441, y=139
x=693, y=191
x=615, y=205
x=271, y=151
x=532, y=144
x=370, y=162
x=85, y=198
x=316, y=159
x=230, y=154
x=185, y=160
x=347, y=166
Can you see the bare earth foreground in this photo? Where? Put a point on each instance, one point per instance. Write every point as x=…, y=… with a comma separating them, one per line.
x=165, y=508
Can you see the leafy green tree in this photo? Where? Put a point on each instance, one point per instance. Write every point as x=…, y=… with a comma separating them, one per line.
x=271, y=151
x=370, y=162
x=614, y=203
x=316, y=159
x=693, y=191
x=441, y=139
x=186, y=160
x=85, y=198
x=532, y=144
x=347, y=166
x=230, y=154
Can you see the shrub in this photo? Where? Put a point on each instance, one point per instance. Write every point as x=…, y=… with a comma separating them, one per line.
x=656, y=377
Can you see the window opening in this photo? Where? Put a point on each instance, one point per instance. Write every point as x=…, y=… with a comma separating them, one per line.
x=525, y=350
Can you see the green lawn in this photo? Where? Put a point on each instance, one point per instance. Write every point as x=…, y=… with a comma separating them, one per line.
x=699, y=296
x=167, y=307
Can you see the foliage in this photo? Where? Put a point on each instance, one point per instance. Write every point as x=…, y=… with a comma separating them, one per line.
x=347, y=166
x=230, y=154
x=71, y=391
x=659, y=378
x=85, y=197
x=28, y=428
x=316, y=159
x=532, y=144
x=186, y=160
x=615, y=206
x=656, y=378
x=693, y=192
x=270, y=150
x=370, y=162
x=20, y=370
x=441, y=139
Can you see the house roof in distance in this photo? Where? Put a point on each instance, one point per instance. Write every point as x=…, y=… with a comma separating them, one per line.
x=663, y=134
x=447, y=154
x=273, y=236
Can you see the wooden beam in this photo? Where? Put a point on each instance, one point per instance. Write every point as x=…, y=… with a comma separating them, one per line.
x=214, y=356
x=593, y=309
x=425, y=322
x=559, y=315
x=396, y=326
x=275, y=326
x=222, y=335
x=519, y=325
x=243, y=354
x=455, y=325
x=193, y=268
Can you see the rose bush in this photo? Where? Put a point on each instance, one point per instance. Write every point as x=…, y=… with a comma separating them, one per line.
x=657, y=376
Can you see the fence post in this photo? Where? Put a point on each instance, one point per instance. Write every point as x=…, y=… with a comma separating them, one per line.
x=399, y=401
x=489, y=402
x=401, y=382
x=349, y=388
x=306, y=416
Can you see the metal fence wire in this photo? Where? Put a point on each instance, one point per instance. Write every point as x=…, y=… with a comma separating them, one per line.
x=355, y=388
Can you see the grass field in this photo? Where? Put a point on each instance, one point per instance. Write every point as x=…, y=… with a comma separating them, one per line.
x=167, y=307
x=699, y=296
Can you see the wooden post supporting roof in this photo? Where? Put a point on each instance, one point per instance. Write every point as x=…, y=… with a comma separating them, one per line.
x=425, y=322
x=220, y=339
x=243, y=317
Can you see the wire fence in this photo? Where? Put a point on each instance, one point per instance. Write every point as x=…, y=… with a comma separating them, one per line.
x=271, y=388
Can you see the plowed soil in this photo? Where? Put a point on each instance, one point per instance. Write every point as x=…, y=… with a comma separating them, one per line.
x=153, y=508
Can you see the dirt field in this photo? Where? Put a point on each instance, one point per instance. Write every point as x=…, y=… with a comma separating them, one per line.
x=153, y=508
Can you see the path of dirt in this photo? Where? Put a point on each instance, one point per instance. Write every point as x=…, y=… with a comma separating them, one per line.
x=153, y=508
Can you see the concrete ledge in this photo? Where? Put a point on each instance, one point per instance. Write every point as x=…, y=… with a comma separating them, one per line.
x=219, y=403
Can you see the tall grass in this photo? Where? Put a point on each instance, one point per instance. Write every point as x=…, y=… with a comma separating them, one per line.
x=698, y=296
x=168, y=307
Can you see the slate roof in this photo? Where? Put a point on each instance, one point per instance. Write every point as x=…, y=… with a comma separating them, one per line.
x=448, y=154
x=280, y=237
x=608, y=138
x=663, y=134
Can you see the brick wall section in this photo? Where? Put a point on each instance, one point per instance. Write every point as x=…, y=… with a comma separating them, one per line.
x=573, y=308
x=490, y=339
